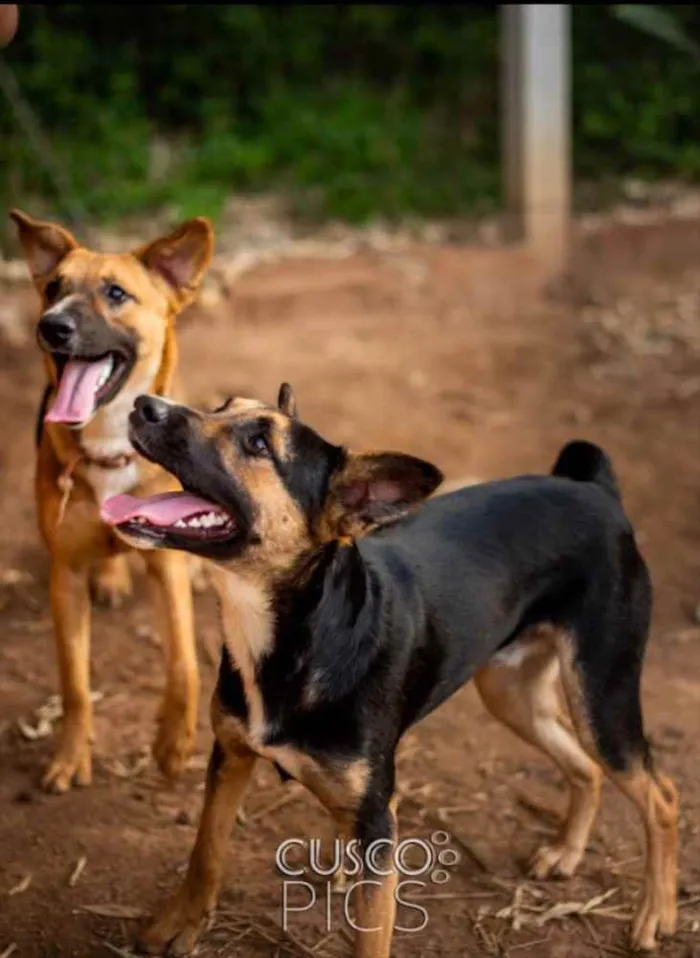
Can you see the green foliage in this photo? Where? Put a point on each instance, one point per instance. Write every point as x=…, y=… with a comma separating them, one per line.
x=657, y=22
x=636, y=99
x=354, y=110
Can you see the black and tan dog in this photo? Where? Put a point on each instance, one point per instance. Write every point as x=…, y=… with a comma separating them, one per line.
x=107, y=330
x=349, y=615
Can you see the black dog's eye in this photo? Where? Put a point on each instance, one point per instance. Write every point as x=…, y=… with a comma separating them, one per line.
x=115, y=294
x=51, y=290
x=256, y=445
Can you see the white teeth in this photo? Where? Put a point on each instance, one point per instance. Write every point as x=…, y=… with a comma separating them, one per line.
x=206, y=520
x=106, y=373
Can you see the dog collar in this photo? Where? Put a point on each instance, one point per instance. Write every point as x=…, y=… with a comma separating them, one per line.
x=107, y=462
x=66, y=481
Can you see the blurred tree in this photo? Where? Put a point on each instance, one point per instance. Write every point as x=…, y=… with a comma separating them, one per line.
x=352, y=109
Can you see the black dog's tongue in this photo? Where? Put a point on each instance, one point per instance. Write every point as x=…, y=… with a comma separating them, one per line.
x=163, y=510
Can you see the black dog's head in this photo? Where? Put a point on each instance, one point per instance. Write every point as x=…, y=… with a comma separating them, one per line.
x=259, y=484
x=106, y=323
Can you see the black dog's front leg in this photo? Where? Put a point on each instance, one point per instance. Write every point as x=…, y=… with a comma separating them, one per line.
x=375, y=897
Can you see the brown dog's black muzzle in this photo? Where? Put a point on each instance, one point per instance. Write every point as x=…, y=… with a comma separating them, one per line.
x=78, y=331
x=57, y=331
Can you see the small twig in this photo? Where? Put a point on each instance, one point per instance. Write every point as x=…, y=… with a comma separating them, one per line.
x=77, y=872
x=27, y=120
x=21, y=886
x=588, y=925
x=323, y=941
x=293, y=792
x=10, y=950
x=456, y=896
x=303, y=950
x=122, y=952
x=528, y=944
x=446, y=810
x=546, y=813
x=466, y=847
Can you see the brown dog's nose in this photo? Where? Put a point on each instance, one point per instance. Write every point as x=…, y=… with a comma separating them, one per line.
x=151, y=408
x=57, y=331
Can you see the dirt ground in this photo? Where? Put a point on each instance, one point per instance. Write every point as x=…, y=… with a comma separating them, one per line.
x=449, y=354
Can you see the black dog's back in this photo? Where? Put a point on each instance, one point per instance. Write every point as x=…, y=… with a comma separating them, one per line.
x=493, y=560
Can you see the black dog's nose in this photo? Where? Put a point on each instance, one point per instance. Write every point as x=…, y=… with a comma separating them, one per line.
x=151, y=408
x=56, y=331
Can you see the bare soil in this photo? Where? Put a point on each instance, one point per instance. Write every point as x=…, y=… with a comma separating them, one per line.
x=450, y=354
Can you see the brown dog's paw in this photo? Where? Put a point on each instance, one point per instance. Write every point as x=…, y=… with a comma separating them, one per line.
x=111, y=583
x=176, y=931
x=72, y=765
x=174, y=740
x=657, y=915
x=558, y=860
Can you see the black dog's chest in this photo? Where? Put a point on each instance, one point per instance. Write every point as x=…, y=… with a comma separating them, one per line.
x=322, y=731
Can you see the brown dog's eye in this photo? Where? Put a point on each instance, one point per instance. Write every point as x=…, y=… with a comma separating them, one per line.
x=115, y=294
x=256, y=445
x=51, y=290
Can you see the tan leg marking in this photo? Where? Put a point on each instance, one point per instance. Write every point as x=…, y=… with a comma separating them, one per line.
x=183, y=919
x=70, y=606
x=656, y=799
x=172, y=598
x=375, y=905
x=523, y=695
x=111, y=582
x=344, y=823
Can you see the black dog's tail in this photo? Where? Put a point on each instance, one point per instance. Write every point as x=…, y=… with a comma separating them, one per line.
x=585, y=462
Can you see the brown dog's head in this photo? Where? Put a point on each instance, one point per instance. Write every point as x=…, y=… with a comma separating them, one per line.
x=105, y=317
x=261, y=488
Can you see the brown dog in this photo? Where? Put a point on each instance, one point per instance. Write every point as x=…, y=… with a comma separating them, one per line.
x=107, y=329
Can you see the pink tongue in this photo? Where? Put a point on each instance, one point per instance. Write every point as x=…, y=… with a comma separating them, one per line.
x=163, y=510
x=75, y=400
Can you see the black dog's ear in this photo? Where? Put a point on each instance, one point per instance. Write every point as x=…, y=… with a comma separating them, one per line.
x=377, y=486
x=286, y=401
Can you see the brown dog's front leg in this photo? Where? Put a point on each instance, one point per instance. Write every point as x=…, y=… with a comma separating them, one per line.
x=70, y=606
x=176, y=931
x=172, y=596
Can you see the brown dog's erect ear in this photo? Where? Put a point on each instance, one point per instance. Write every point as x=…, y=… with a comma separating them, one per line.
x=181, y=258
x=379, y=486
x=44, y=244
x=286, y=401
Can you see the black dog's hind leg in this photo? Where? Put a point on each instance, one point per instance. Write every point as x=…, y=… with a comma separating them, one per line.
x=608, y=716
x=520, y=688
x=601, y=662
